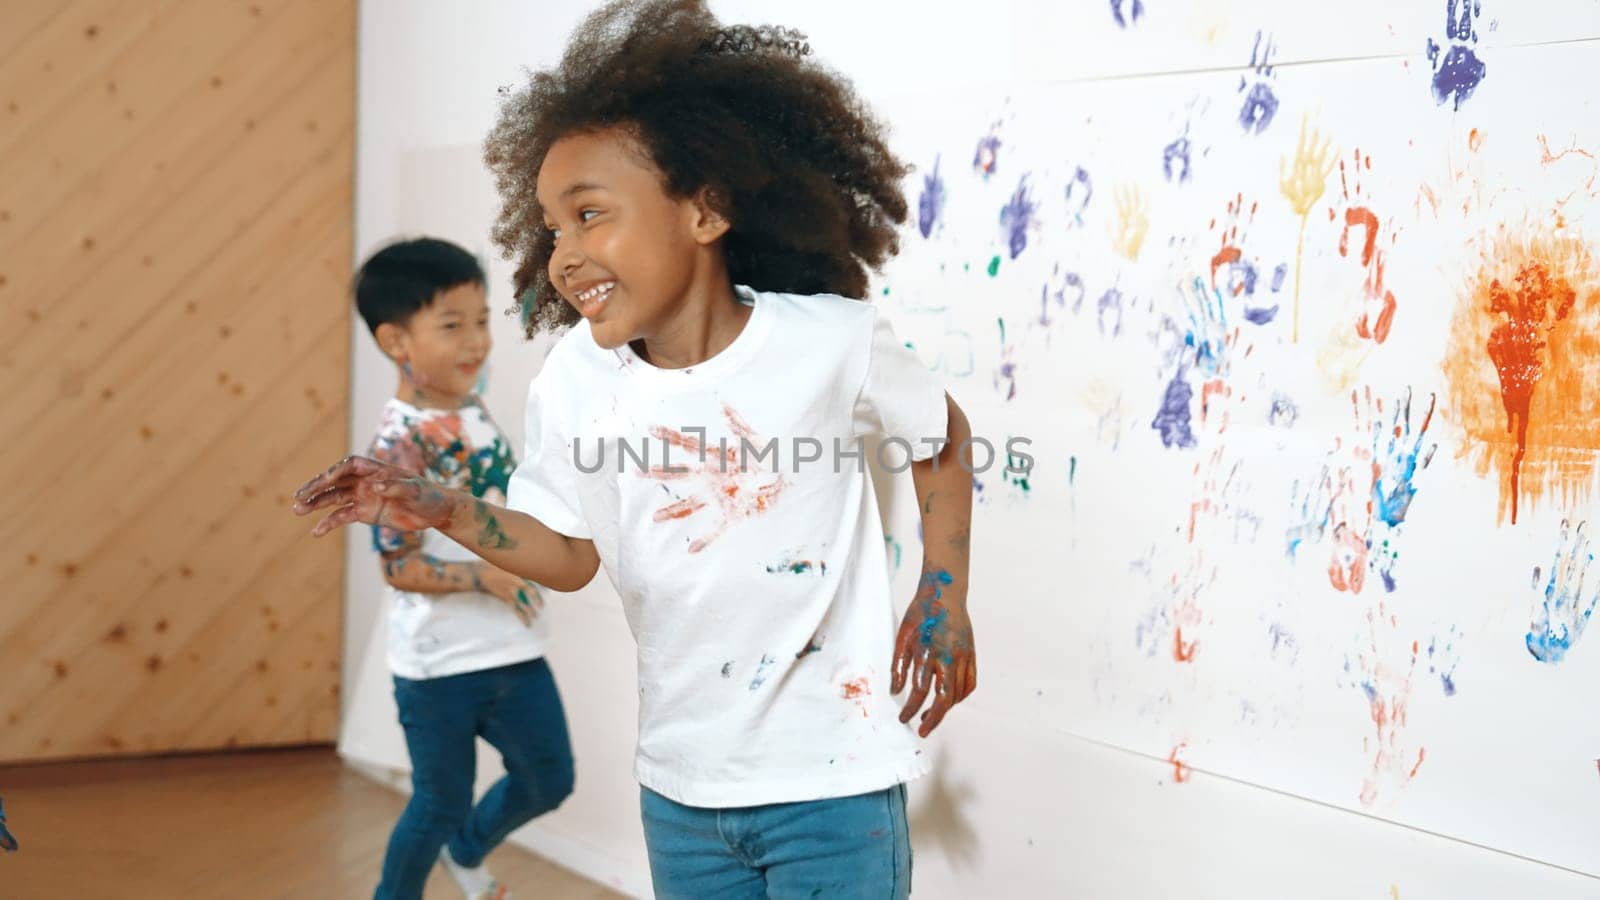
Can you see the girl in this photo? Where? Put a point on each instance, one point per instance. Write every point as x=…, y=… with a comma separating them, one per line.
x=698, y=203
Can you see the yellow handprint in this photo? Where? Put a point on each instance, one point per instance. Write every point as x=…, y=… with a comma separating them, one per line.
x=1302, y=183
x=1127, y=236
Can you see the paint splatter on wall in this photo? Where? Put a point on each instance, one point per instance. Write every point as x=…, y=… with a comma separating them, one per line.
x=1318, y=373
x=1524, y=365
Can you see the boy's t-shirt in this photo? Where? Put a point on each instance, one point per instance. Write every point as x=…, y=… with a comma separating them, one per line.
x=432, y=635
x=760, y=599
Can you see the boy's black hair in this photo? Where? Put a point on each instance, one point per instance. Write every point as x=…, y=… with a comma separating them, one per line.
x=405, y=276
x=791, y=157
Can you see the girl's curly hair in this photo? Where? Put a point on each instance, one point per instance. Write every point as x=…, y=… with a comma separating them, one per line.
x=789, y=155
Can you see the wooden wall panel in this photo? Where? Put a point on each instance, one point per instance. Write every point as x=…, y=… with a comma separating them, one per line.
x=175, y=244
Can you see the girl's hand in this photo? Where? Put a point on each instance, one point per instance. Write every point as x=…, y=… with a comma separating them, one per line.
x=520, y=594
x=365, y=490
x=935, y=649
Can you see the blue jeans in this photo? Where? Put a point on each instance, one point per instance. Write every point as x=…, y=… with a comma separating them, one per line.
x=847, y=848
x=517, y=710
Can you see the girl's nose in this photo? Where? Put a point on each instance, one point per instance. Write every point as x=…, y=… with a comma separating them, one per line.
x=566, y=258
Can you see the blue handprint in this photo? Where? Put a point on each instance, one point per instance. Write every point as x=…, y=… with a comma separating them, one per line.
x=1135, y=12
x=1561, y=611
x=1016, y=217
x=1209, y=332
x=1206, y=342
x=1260, y=103
x=1397, y=456
x=1175, y=158
x=1079, y=191
x=930, y=203
x=1459, y=74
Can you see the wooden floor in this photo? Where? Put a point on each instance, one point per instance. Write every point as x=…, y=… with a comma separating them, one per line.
x=282, y=824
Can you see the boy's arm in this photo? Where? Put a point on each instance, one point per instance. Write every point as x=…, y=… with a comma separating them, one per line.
x=934, y=648
x=358, y=489
x=407, y=568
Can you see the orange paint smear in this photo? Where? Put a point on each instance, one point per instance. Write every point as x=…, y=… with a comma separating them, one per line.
x=1225, y=256
x=1180, y=771
x=1523, y=364
x=858, y=691
x=1422, y=753
x=1181, y=651
x=1359, y=217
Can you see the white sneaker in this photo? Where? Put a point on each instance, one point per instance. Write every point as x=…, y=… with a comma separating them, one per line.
x=475, y=883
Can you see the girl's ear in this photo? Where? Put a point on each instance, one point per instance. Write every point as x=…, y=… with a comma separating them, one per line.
x=393, y=341
x=706, y=224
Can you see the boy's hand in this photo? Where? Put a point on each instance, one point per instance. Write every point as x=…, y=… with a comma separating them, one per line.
x=520, y=594
x=935, y=648
x=364, y=490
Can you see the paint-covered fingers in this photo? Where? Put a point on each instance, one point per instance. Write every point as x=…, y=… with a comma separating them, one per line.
x=921, y=681
x=524, y=614
x=335, y=473
x=954, y=681
x=943, y=698
x=346, y=472
x=904, y=650
x=329, y=496
x=518, y=593
x=340, y=517
x=526, y=603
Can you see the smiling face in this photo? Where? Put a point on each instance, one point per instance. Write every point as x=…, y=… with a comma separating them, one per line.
x=443, y=346
x=627, y=253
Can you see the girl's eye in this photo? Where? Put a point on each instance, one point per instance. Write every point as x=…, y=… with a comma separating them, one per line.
x=585, y=214
x=451, y=326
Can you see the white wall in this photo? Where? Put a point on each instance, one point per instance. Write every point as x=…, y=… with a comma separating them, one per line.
x=1016, y=803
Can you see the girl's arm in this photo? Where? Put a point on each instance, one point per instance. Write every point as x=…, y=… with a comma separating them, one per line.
x=358, y=489
x=934, y=648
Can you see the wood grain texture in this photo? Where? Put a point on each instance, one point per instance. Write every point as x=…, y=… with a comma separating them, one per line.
x=283, y=824
x=175, y=244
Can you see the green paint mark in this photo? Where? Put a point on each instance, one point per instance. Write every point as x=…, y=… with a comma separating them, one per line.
x=492, y=536
x=1016, y=474
x=1002, y=331
x=1072, y=469
x=994, y=266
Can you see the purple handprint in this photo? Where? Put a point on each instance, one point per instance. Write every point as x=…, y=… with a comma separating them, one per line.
x=1461, y=71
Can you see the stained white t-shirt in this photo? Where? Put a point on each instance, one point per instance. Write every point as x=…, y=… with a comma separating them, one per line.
x=432, y=635
x=760, y=600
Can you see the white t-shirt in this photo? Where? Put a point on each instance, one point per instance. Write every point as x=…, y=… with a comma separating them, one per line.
x=432, y=635
x=760, y=601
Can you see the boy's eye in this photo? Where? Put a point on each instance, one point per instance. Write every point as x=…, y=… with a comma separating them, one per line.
x=451, y=326
x=585, y=214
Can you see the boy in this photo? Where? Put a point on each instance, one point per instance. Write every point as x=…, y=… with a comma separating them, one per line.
x=465, y=647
